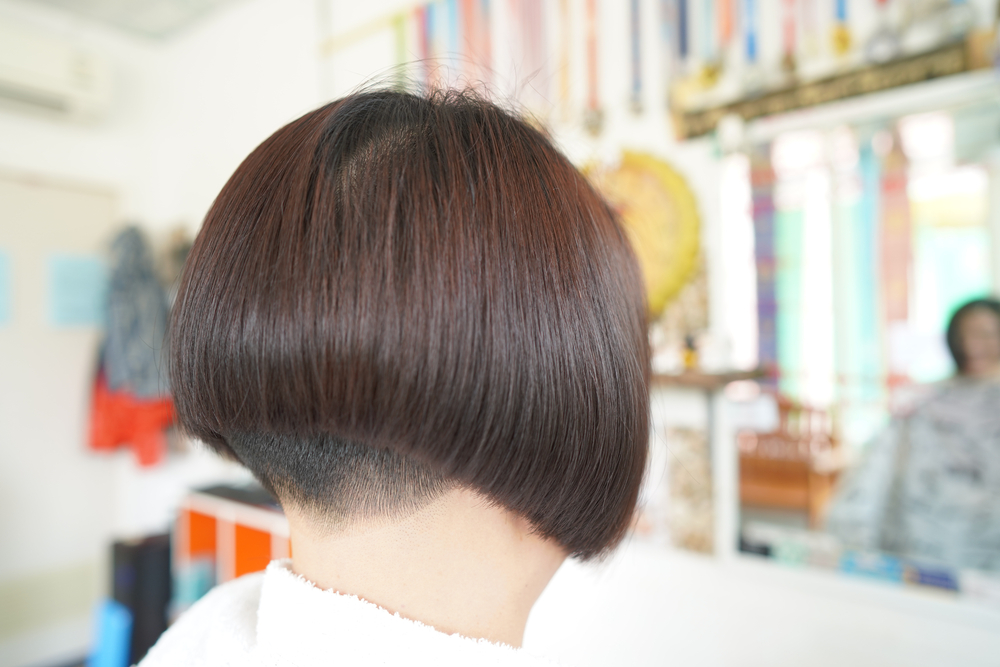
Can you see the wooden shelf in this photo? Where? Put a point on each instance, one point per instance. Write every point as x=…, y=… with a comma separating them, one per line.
x=965, y=55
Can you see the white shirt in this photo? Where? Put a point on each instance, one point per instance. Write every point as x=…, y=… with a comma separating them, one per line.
x=276, y=618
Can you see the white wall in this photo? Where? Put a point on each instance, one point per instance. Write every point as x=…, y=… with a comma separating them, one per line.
x=109, y=152
x=223, y=87
x=59, y=507
x=57, y=502
x=184, y=113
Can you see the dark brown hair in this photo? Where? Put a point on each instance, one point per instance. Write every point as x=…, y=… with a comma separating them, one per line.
x=953, y=336
x=422, y=290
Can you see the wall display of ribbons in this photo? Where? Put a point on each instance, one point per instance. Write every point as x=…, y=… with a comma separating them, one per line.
x=548, y=54
x=793, y=54
x=468, y=42
x=715, y=57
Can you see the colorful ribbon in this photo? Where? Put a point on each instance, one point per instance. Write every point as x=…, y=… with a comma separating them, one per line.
x=762, y=179
x=725, y=19
x=475, y=15
x=593, y=117
x=707, y=31
x=788, y=36
x=564, y=60
x=841, y=33
x=635, y=25
x=895, y=240
x=683, y=43
x=750, y=29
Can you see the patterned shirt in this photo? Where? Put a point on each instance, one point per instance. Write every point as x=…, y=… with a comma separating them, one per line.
x=928, y=486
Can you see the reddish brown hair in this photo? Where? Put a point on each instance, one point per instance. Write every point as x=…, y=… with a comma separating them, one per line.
x=424, y=280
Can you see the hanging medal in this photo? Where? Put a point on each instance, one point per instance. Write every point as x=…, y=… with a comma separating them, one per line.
x=753, y=78
x=750, y=31
x=477, y=46
x=670, y=56
x=533, y=22
x=788, y=43
x=884, y=43
x=811, y=36
x=895, y=241
x=399, y=37
x=687, y=83
x=683, y=36
x=593, y=116
x=724, y=16
x=486, y=41
x=709, y=74
x=564, y=61
x=452, y=46
x=635, y=22
x=529, y=25
x=424, y=18
x=841, y=36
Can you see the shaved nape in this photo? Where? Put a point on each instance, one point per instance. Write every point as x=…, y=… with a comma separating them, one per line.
x=338, y=483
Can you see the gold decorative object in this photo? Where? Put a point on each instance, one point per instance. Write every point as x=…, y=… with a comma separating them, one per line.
x=593, y=121
x=709, y=75
x=789, y=64
x=841, y=38
x=690, y=508
x=659, y=212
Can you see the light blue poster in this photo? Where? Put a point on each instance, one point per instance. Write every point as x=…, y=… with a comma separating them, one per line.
x=78, y=288
x=6, y=290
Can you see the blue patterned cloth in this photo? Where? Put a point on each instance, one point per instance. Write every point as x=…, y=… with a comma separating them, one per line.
x=134, y=351
x=929, y=485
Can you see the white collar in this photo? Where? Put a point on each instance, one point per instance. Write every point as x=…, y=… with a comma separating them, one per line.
x=299, y=624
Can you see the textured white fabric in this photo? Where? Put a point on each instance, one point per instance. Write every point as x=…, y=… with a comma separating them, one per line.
x=278, y=618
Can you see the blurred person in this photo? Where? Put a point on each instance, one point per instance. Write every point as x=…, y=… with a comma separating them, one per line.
x=929, y=486
x=424, y=332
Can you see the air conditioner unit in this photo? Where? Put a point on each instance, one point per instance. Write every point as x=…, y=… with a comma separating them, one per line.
x=46, y=74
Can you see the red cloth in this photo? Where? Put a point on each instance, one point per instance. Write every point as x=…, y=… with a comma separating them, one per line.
x=118, y=418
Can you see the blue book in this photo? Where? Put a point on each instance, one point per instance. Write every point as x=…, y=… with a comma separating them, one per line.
x=874, y=565
x=113, y=636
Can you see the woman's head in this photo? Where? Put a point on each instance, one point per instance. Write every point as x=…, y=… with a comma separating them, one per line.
x=974, y=338
x=394, y=295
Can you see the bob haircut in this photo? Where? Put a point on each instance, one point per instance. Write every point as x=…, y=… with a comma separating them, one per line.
x=396, y=293
x=953, y=335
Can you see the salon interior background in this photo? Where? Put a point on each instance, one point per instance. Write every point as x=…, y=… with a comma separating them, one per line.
x=188, y=96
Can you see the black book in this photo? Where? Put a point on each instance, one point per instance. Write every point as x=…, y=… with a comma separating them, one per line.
x=141, y=582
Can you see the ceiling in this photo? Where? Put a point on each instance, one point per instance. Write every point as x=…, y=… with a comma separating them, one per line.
x=148, y=18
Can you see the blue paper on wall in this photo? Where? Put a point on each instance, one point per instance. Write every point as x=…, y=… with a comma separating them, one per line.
x=6, y=290
x=78, y=289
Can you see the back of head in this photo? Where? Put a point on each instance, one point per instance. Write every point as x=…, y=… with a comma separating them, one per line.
x=394, y=294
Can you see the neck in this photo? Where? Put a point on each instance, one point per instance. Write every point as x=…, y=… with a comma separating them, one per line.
x=984, y=372
x=458, y=564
